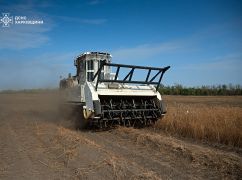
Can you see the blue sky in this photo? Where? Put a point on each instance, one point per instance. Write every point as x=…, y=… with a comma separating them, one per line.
x=200, y=40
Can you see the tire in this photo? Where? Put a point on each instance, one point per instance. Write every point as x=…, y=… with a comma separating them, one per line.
x=80, y=121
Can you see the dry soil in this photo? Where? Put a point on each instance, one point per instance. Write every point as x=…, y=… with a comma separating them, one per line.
x=36, y=142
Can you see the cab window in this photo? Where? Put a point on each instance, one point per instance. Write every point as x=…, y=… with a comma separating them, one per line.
x=90, y=70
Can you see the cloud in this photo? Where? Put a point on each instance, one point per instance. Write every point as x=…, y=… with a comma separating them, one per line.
x=219, y=70
x=223, y=63
x=25, y=36
x=42, y=71
x=217, y=38
x=94, y=2
x=145, y=50
x=22, y=37
x=94, y=21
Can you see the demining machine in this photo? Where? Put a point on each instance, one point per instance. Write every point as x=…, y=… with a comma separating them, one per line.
x=105, y=94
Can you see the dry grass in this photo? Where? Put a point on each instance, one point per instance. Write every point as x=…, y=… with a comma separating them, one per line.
x=173, y=148
x=220, y=123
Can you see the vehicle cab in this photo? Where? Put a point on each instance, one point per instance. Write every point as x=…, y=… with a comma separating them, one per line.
x=88, y=63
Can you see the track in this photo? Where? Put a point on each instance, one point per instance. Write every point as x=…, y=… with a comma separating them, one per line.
x=36, y=143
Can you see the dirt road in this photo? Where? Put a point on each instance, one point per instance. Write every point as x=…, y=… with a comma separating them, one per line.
x=37, y=143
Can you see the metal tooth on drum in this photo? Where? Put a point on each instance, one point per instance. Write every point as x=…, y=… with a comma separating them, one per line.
x=129, y=112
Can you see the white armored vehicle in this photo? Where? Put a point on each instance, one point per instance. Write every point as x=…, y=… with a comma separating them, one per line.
x=102, y=98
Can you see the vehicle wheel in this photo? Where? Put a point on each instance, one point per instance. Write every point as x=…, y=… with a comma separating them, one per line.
x=80, y=121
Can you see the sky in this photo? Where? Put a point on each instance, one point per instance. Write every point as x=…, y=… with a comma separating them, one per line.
x=201, y=40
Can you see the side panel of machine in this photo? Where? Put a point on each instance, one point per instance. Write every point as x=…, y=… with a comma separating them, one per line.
x=90, y=96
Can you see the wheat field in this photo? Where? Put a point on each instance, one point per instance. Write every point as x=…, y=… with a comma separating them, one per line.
x=211, y=119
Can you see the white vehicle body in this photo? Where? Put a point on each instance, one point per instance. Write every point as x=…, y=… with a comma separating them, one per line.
x=99, y=90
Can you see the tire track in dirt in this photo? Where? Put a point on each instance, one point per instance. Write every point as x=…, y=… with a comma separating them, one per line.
x=97, y=161
x=203, y=160
x=147, y=160
x=169, y=157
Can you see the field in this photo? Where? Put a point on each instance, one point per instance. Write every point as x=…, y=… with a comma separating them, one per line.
x=200, y=138
x=211, y=119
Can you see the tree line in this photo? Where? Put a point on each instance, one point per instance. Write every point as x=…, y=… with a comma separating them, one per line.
x=215, y=90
